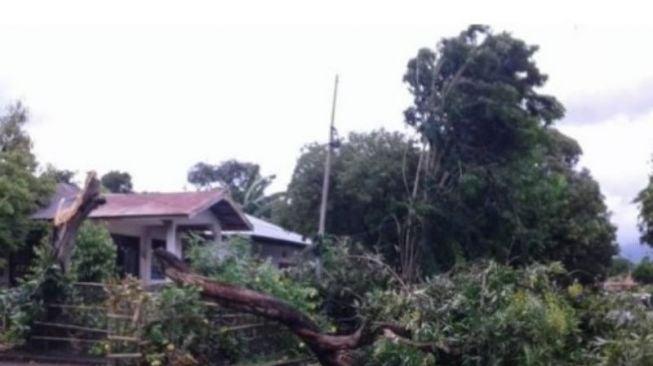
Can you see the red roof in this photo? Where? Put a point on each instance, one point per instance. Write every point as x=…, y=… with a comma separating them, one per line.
x=157, y=204
x=134, y=205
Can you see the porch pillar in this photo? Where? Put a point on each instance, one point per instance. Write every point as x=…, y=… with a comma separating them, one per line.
x=146, y=255
x=171, y=238
x=216, y=230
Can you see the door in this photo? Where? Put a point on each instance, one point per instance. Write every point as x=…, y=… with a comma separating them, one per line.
x=128, y=256
x=156, y=271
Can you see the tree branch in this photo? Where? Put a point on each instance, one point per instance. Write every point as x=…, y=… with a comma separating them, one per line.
x=68, y=220
x=330, y=350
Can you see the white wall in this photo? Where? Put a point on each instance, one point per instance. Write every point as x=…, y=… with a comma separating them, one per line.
x=276, y=253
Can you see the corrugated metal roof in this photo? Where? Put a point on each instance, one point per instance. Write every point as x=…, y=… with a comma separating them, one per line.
x=63, y=191
x=264, y=229
x=132, y=205
x=157, y=204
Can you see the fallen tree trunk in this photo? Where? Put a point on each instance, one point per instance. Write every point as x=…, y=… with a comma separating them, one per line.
x=68, y=220
x=330, y=350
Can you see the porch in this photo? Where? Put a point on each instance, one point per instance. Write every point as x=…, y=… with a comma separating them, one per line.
x=142, y=222
x=136, y=239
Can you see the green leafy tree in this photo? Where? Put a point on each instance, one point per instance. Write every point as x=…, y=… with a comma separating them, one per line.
x=58, y=175
x=645, y=201
x=367, y=190
x=497, y=179
x=242, y=180
x=477, y=106
x=117, y=182
x=492, y=177
x=643, y=272
x=21, y=191
x=620, y=266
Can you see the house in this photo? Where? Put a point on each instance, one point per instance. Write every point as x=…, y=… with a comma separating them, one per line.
x=271, y=241
x=141, y=222
x=619, y=284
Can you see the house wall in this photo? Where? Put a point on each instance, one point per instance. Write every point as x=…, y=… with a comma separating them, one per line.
x=124, y=227
x=165, y=229
x=277, y=253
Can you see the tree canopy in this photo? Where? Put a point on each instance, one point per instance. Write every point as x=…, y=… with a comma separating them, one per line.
x=368, y=188
x=489, y=177
x=645, y=201
x=242, y=180
x=21, y=190
x=117, y=182
x=498, y=180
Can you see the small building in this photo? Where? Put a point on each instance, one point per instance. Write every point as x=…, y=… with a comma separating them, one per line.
x=271, y=241
x=141, y=222
x=620, y=284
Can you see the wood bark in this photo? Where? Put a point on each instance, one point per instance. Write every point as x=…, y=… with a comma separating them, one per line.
x=330, y=350
x=68, y=220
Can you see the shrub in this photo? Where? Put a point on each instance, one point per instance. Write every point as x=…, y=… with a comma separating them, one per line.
x=232, y=262
x=94, y=257
x=16, y=313
x=643, y=273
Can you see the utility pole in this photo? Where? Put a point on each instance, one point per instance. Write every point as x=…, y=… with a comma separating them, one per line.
x=327, y=164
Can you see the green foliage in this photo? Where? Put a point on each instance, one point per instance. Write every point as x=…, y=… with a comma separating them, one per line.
x=242, y=180
x=504, y=183
x=620, y=266
x=186, y=328
x=17, y=309
x=21, y=305
x=94, y=257
x=117, y=182
x=491, y=314
x=389, y=353
x=496, y=179
x=93, y=260
x=183, y=333
x=367, y=190
x=645, y=202
x=21, y=191
x=342, y=276
x=58, y=175
x=232, y=262
x=623, y=334
x=643, y=272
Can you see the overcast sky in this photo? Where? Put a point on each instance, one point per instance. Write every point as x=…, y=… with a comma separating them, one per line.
x=153, y=87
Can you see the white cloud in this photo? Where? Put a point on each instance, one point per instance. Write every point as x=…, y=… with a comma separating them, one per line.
x=152, y=87
x=618, y=151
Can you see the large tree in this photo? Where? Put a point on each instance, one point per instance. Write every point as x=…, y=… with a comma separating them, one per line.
x=477, y=106
x=491, y=177
x=58, y=175
x=117, y=182
x=243, y=181
x=645, y=201
x=496, y=178
x=368, y=187
x=21, y=191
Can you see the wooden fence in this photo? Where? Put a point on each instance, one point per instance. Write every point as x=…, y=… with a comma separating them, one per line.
x=90, y=327
x=112, y=331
